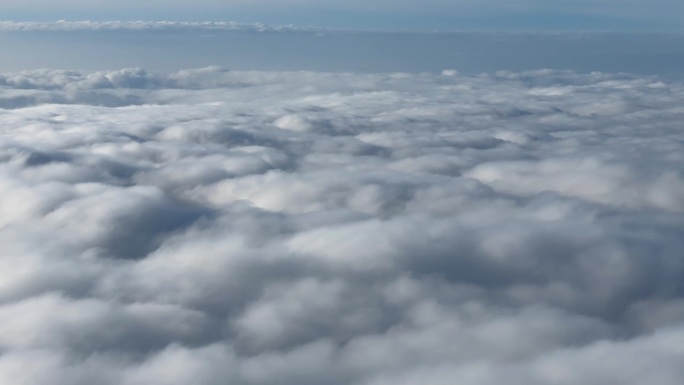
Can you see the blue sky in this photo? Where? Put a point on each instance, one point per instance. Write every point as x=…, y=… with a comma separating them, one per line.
x=618, y=15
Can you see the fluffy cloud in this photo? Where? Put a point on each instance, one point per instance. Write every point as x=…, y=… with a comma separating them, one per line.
x=210, y=227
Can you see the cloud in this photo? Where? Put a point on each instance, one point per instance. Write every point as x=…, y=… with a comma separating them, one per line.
x=214, y=226
x=65, y=25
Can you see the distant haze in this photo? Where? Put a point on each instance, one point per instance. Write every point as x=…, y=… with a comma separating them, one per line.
x=247, y=47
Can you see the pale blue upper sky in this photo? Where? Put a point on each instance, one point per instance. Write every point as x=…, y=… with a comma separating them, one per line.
x=614, y=15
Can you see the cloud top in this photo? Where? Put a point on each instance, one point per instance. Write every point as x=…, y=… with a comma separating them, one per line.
x=210, y=226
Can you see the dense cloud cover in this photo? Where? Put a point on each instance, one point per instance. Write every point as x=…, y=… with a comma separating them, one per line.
x=217, y=227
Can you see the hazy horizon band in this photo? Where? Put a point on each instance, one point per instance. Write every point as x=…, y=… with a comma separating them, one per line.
x=171, y=46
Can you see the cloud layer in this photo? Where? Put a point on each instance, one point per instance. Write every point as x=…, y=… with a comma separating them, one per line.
x=85, y=25
x=217, y=227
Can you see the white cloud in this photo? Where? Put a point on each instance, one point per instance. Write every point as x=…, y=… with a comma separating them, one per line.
x=213, y=226
x=66, y=25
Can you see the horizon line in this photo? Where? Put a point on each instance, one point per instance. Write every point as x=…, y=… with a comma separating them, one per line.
x=227, y=25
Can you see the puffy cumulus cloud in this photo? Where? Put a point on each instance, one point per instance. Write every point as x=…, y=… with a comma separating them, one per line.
x=210, y=227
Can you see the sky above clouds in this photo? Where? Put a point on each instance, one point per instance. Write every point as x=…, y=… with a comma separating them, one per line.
x=636, y=15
